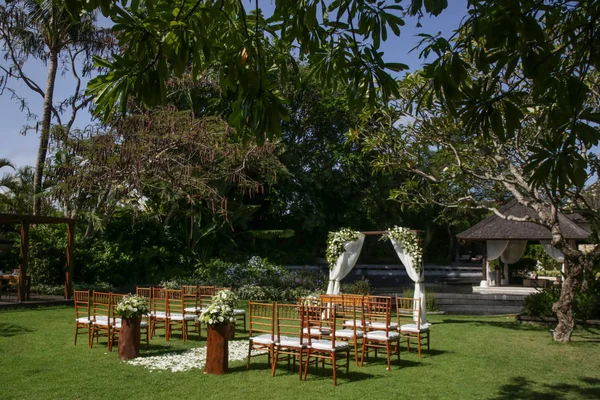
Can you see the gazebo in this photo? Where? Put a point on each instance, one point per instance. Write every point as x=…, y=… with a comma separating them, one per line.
x=25, y=221
x=507, y=239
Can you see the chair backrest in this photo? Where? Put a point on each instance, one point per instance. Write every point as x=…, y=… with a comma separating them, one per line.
x=262, y=319
x=159, y=300
x=350, y=313
x=205, y=300
x=289, y=320
x=81, y=298
x=175, y=302
x=146, y=293
x=115, y=299
x=218, y=289
x=102, y=306
x=207, y=290
x=377, y=311
x=408, y=311
x=319, y=322
x=191, y=296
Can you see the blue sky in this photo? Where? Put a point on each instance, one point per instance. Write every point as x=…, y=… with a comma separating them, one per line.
x=21, y=150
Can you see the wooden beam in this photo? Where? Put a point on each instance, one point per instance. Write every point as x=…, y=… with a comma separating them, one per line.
x=32, y=219
x=70, y=260
x=23, y=262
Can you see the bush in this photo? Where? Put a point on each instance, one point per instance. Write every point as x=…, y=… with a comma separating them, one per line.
x=269, y=293
x=586, y=305
x=52, y=290
x=98, y=286
x=429, y=298
x=361, y=286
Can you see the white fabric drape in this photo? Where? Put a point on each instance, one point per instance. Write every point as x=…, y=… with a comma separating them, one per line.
x=514, y=251
x=417, y=278
x=344, y=264
x=552, y=251
x=494, y=248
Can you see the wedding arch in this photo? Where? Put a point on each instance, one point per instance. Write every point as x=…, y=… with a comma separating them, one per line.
x=344, y=246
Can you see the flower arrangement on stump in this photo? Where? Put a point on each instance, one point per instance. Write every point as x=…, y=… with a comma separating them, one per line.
x=336, y=242
x=219, y=318
x=131, y=309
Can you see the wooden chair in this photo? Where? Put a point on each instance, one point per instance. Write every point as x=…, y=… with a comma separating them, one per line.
x=379, y=332
x=147, y=294
x=83, y=314
x=115, y=299
x=350, y=322
x=408, y=311
x=177, y=318
x=327, y=349
x=290, y=342
x=262, y=329
x=207, y=290
x=102, y=317
x=159, y=311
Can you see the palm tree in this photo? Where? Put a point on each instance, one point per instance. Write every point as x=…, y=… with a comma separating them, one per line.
x=44, y=30
x=16, y=196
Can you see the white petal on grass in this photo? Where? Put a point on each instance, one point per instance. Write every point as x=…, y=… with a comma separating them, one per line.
x=192, y=358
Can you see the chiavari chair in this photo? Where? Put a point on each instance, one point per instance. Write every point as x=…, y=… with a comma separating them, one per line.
x=262, y=329
x=408, y=311
x=379, y=334
x=177, y=318
x=159, y=311
x=290, y=342
x=101, y=317
x=83, y=314
x=326, y=349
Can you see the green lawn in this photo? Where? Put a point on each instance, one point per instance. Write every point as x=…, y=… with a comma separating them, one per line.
x=471, y=357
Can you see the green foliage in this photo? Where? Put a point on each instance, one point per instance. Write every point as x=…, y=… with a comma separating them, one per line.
x=586, y=305
x=361, y=286
x=53, y=290
x=270, y=293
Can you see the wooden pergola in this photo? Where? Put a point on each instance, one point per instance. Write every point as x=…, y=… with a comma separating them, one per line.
x=25, y=221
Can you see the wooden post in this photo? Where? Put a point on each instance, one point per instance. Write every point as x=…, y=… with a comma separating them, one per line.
x=217, y=349
x=70, y=260
x=23, y=256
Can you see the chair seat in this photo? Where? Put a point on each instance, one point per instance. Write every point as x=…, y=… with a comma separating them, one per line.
x=381, y=325
x=159, y=314
x=327, y=345
x=104, y=321
x=193, y=309
x=351, y=323
x=84, y=320
x=262, y=339
x=316, y=331
x=180, y=317
x=239, y=312
x=381, y=335
x=413, y=328
x=349, y=333
x=294, y=342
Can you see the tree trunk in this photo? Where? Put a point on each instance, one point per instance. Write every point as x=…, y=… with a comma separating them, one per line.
x=564, y=306
x=45, y=134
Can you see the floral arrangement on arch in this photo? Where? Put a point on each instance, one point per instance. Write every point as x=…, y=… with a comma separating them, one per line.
x=132, y=306
x=410, y=242
x=336, y=242
x=220, y=310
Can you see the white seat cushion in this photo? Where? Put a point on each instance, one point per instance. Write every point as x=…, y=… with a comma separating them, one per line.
x=381, y=335
x=286, y=341
x=159, y=314
x=84, y=320
x=349, y=333
x=351, y=323
x=317, y=331
x=193, y=309
x=381, y=325
x=327, y=345
x=413, y=328
x=239, y=312
x=262, y=339
x=179, y=317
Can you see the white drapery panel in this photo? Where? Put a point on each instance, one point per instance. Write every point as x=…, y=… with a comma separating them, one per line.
x=514, y=251
x=494, y=248
x=552, y=251
x=417, y=278
x=344, y=264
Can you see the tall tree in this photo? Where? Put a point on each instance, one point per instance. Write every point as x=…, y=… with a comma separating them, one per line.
x=515, y=114
x=43, y=30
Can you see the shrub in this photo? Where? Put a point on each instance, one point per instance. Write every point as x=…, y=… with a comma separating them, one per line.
x=361, y=286
x=586, y=305
x=52, y=290
x=98, y=286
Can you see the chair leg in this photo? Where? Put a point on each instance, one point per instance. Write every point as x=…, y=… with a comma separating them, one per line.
x=300, y=364
x=249, y=352
x=76, y=330
x=419, y=344
x=388, y=350
x=274, y=362
x=333, y=363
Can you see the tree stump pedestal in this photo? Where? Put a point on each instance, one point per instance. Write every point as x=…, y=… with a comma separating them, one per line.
x=129, y=338
x=217, y=349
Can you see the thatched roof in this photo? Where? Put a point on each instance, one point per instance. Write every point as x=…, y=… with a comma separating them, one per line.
x=494, y=227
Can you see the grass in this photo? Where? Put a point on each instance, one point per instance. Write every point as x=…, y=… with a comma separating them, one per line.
x=471, y=357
